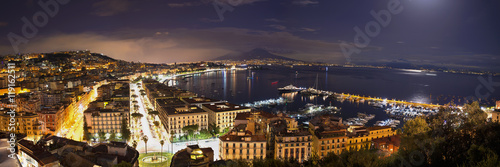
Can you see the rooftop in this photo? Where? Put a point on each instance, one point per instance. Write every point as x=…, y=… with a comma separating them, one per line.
x=222, y=107
x=199, y=100
x=184, y=110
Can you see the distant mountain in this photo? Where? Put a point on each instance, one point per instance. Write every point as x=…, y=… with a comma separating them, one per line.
x=257, y=53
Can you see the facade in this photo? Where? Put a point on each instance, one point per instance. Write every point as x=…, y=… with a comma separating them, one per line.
x=26, y=123
x=51, y=99
x=495, y=116
x=329, y=135
x=49, y=118
x=106, y=120
x=296, y=145
x=223, y=114
x=242, y=144
x=387, y=145
x=176, y=118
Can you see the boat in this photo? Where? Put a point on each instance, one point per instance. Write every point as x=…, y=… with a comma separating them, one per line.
x=274, y=83
x=290, y=88
x=389, y=122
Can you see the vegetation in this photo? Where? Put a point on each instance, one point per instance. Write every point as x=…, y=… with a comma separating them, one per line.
x=123, y=164
x=134, y=144
x=125, y=130
x=160, y=164
x=145, y=139
x=86, y=133
x=190, y=129
x=213, y=129
x=102, y=136
x=136, y=116
x=112, y=136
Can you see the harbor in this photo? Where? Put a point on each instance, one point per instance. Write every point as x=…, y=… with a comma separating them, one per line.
x=394, y=108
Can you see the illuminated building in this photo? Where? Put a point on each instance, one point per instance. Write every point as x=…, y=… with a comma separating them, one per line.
x=296, y=145
x=176, y=118
x=108, y=118
x=329, y=135
x=25, y=123
x=387, y=145
x=49, y=118
x=51, y=151
x=223, y=114
x=242, y=143
x=193, y=156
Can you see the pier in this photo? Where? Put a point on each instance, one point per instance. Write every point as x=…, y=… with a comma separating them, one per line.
x=345, y=96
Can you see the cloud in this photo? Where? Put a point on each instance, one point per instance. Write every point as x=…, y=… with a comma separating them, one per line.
x=161, y=33
x=185, y=4
x=207, y=20
x=278, y=27
x=110, y=7
x=308, y=29
x=275, y=20
x=3, y=24
x=203, y=2
x=184, y=45
x=305, y=2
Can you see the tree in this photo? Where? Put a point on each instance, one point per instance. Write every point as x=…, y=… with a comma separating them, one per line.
x=136, y=116
x=112, y=136
x=123, y=164
x=153, y=113
x=213, y=129
x=102, y=135
x=156, y=123
x=145, y=139
x=134, y=144
x=190, y=129
x=204, y=134
x=416, y=126
x=125, y=130
x=86, y=133
x=162, y=142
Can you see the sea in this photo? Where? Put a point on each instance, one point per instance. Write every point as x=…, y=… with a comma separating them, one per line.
x=246, y=86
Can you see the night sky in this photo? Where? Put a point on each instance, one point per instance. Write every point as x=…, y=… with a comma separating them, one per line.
x=449, y=33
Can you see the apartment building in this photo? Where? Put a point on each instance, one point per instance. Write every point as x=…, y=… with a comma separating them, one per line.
x=223, y=114
x=242, y=143
x=25, y=122
x=296, y=145
x=176, y=118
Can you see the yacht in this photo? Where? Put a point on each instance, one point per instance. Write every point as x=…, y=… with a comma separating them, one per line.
x=290, y=88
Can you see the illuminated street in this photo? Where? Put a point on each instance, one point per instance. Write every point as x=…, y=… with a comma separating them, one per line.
x=72, y=127
x=145, y=124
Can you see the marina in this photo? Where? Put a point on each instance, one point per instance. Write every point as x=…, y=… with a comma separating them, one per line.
x=389, y=122
x=268, y=103
x=361, y=120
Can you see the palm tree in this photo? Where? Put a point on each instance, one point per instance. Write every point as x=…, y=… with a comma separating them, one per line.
x=162, y=142
x=134, y=144
x=145, y=138
x=172, y=141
